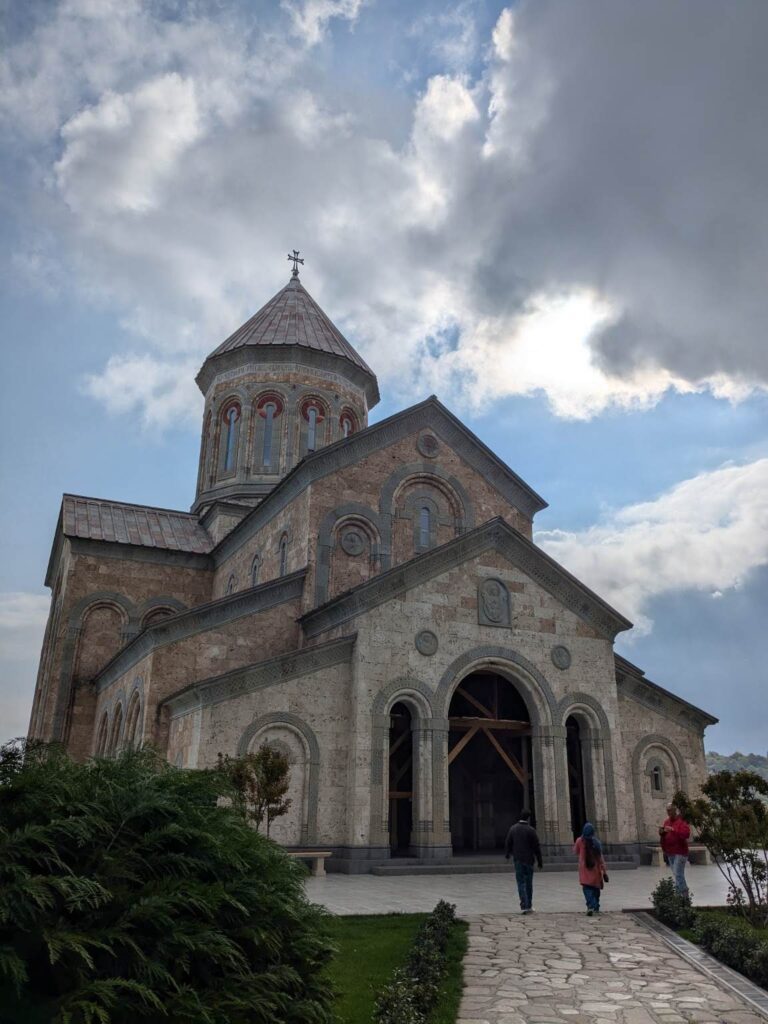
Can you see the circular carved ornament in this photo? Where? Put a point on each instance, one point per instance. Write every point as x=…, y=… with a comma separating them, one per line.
x=428, y=445
x=426, y=643
x=352, y=542
x=561, y=657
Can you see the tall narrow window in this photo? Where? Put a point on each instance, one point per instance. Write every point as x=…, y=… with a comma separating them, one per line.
x=283, y=556
x=312, y=428
x=231, y=584
x=424, y=527
x=347, y=423
x=269, y=419
x=230, y=417
x=255, y=570
x=656, y=779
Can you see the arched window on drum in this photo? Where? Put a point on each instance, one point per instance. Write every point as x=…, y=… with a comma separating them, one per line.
x=230, y=436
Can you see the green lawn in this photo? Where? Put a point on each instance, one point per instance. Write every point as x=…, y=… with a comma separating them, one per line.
x=370, y=948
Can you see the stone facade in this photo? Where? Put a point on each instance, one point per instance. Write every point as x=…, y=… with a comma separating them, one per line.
x=370, y=601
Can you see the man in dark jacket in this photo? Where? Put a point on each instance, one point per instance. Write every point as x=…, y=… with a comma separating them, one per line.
x=523, y=845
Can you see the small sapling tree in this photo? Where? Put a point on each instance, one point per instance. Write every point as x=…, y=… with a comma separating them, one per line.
x=260, y=780
x=731, y=819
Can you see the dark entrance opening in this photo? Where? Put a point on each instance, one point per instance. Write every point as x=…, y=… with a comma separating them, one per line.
x=489, y=758
x=575, y=775
x=400, y=780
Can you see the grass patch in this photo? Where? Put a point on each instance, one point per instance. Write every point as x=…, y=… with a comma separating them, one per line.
x=370, y=947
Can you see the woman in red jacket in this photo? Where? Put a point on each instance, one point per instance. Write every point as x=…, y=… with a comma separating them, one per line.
x=674, y=835
x=592, y=874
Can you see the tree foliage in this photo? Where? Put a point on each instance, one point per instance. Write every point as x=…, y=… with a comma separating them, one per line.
x=130, y=892
x=260, y=780
x=731, y=819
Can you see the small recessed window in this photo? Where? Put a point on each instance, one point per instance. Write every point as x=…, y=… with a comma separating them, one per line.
x=231, y=584
x=656, y=779
x=425, y=522
x=283, y=556
x=255, y=570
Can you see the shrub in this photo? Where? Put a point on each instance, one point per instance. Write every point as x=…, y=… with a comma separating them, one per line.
x=672, y=908
x=129, y=893
x=735, y=944
x=414, y=987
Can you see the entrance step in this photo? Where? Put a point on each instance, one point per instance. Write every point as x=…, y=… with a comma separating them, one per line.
x=498, y=865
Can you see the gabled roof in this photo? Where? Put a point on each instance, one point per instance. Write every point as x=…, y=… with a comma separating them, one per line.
x=497, y=535
x=119, y=522
x=122, y=523
x=430, y=413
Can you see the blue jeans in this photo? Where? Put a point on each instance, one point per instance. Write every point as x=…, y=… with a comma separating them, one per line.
x=677, y=862
x=524, y=877
x=592, y=896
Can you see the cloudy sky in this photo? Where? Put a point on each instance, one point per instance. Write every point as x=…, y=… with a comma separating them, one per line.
x=553, y=215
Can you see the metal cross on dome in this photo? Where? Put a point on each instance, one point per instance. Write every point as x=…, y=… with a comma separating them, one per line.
x=296, y=260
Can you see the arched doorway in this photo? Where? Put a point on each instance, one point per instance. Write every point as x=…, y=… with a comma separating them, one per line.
x=400, y=780
x=576, y=788
x=489, y=758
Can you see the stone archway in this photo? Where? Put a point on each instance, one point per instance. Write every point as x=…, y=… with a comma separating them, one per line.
x=489, y=761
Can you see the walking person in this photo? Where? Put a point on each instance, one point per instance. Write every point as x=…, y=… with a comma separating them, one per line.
x=592, y=873
x=522, y=844
x=674, y=835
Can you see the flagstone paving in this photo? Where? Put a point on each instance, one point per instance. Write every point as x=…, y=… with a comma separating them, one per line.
x=553, y=968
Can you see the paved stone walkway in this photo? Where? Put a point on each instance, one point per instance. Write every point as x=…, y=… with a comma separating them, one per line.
x=553, y=968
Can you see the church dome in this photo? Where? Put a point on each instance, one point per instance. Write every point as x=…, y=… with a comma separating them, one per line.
x=284, y=384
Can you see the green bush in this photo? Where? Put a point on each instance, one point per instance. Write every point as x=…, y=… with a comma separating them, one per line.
x=734, y=943
x=129, y=892
x=672, y=908
x=414, y=987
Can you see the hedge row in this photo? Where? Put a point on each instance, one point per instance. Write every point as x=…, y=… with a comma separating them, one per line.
x=414, y=987
x=732, y=940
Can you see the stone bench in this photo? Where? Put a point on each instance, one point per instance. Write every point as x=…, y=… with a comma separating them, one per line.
x=697, y=854
x=316, y=859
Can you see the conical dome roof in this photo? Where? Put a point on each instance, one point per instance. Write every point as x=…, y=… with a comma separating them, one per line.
x=292, y=317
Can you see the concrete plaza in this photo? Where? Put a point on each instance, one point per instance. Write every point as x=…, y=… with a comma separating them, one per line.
x=553, y=891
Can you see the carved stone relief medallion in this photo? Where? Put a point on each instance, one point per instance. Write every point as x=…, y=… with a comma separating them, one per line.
x=561, y=657
x=428, y=445
x=426, y=643
x=352, y=542
x=493, y=605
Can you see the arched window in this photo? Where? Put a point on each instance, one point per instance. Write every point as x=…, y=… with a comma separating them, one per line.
x=283, y=555
x=132, y=734
x=347, y=423
x=269, y=418
x=657, y=781
x=255, y=570
x=101, y=739
x=313, y=413
x=117, y=726
x=231, y=584
x=231, y=416
x=425, y=526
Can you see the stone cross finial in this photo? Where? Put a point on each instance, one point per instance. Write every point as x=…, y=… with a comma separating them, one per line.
x=296, y=260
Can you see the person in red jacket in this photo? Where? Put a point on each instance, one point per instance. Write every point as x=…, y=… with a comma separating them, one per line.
x=592, y=873
x=674, y=835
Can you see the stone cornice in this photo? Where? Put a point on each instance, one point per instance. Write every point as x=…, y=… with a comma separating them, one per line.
x=632, y=683
x=259, y=675
x=199, y=620
x=497, y=535
x=349, y=451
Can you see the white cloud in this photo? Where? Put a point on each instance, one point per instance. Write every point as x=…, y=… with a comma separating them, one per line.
x=310, y=17
x=118, y=153
x=537, y=229
x=160, y=393
x=706, y=534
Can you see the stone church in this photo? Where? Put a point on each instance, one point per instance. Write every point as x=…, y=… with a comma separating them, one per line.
x=369, y=600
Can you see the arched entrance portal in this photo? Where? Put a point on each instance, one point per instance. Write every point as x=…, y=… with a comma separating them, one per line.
x=400, y=779
x=489, y=758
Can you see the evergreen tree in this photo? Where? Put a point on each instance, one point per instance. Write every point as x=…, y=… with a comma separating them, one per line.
x=129, y=892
